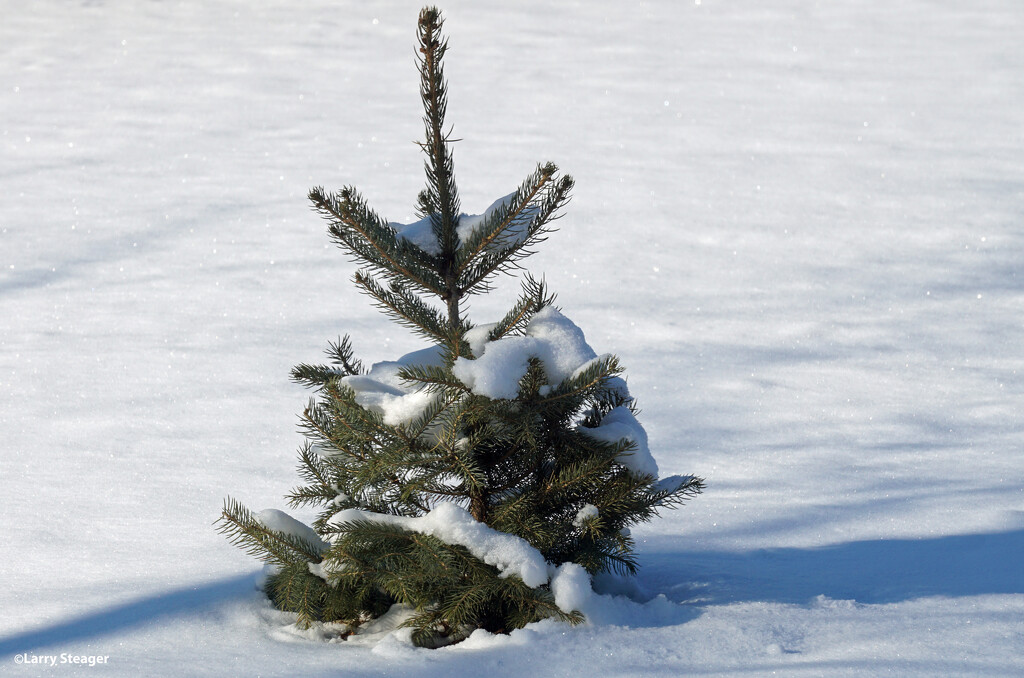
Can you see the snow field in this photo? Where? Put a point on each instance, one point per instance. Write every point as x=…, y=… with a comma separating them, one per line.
x=796, y=224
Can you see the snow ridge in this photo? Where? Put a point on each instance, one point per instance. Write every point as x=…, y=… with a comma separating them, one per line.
x=512, y=555
x=452, y=524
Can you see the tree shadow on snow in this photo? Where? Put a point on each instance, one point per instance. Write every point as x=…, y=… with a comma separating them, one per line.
x=186, y=600
x=877, y=572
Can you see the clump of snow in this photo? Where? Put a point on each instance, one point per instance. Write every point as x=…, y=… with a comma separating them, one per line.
x=385, y=635
x=499, y=365
x=564, y=351
x=570, y=584
x=320, y=570
x=454, y=525
x=587, y=512
x=381, y=390
x=620, y=424
x=476, y=337
x=518, y=638
x=341, y=497
x=514, y=233
x=497, y=372
x=421, y=233
x=395, y=644
x=618, y=384
x=279, y=521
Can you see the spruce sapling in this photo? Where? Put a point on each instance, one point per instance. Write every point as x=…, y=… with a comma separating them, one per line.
x=459, y=480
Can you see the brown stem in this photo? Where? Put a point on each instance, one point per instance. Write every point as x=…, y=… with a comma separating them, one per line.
x=478, y=506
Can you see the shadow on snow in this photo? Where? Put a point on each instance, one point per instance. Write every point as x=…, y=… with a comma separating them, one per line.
x=180, y=601
x=875, y=572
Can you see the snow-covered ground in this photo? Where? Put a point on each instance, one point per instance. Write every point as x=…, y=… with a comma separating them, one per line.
x=799, y=224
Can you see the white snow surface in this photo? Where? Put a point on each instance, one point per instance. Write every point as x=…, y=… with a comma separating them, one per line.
x=797, y=225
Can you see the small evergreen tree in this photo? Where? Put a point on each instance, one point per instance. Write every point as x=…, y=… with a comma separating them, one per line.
x=462, y=479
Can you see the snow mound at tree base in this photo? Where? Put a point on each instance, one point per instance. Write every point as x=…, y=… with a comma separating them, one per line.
x=386, y=636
